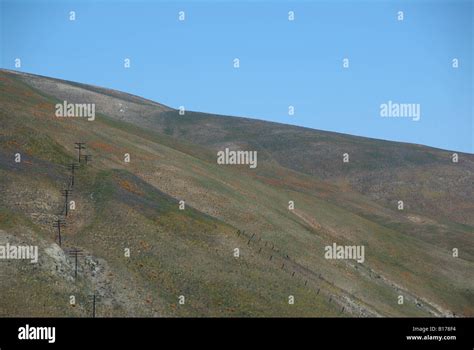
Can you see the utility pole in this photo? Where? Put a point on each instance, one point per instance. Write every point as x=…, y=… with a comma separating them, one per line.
x=58, y=224
x=65, y=194
x=73, y=167
x=94, y=299
x=93, y=305
x=75, y=253
x=79, y=146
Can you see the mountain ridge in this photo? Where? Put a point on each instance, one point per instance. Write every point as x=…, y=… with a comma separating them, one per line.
x=248, y=119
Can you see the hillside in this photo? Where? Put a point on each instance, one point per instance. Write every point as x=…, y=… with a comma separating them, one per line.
x=190, y=252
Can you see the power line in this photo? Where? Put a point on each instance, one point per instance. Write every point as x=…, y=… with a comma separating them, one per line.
x=73, y=167
x=79, y=146
x=75, y=252
x=65, y=193
x=58, y=223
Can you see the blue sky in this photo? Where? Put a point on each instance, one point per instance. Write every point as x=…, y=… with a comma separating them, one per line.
x=282, y=62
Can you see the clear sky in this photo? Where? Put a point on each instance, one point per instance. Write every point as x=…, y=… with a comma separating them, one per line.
x=282, y=62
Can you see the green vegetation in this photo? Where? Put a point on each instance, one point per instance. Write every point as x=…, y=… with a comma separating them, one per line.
x=190, y=252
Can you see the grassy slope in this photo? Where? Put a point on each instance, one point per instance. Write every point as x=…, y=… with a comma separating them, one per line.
x=172, y=251
x=178, y=252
